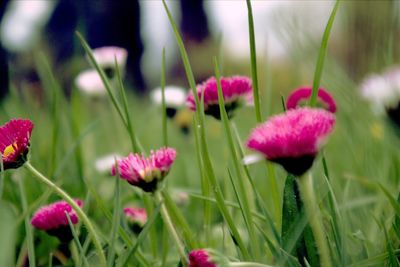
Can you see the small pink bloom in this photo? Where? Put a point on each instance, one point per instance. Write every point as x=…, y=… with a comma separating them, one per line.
x=14, y=142
x=145, y=172
x=53, y=220
x=200, y=258
x=235, y=90
x=105, y=56
x=136, y=217
x=293, y=139
x=304, y=94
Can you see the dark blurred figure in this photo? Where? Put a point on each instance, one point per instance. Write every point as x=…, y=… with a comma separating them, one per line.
x=194, y=23
x=117, y=23
x=103, y=23
x=4, y=78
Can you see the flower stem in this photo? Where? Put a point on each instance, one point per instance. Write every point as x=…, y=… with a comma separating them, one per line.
x=170, y=226
x=312, y=211
x=75, y=206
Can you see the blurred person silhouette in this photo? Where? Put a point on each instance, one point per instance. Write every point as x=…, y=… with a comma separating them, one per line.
x=4, y=78
x=103, y=23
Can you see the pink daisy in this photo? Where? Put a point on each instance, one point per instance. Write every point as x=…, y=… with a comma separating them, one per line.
x=236, y=91
x=136, y=217
x=200, y=258
x=14, y=142
x=293, y=139
x=53, y=220
x=303, y=94
x=146, y=172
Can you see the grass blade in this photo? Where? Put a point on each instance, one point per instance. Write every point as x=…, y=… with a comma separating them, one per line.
x=321, y=55
x=136, y=147
x=242, y=196
x=142, y=235
x=103, y=76
x=115, y=222
x=28, y=228
x=164, y=108
x=253, y=56
x=76, y=240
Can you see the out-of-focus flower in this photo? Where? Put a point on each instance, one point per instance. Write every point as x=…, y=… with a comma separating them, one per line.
x=293, y=139
x=105, y=163
x=14, y=142
x=90, y=83
x=236, y=91
x=301, y=95
x=146, y=172
x=175, y=98
x=252, y=158
x=105, y=57
x=207, y=258
x=383, y=92
x=53, y=220
x=181, y=198
x=183, y=120
x=136, y=217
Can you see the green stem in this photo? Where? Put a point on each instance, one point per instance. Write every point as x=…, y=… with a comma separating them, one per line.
x=312, y=211
x=75, y=206
x=170, y=226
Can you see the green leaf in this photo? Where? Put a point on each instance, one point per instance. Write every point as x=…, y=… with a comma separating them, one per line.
x=8, y=235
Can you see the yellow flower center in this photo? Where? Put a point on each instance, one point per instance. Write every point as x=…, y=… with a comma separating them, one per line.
x=9, y=150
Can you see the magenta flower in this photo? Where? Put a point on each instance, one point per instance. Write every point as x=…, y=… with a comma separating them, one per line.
x=236, y=90
x=53, y=220
x=200, y=258
x=145, y=172
x=136, y=217
x=293, y=139
x=325, y=99
x=14, y=142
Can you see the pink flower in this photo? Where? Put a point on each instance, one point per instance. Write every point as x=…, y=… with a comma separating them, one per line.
x=200, y=258
x=299, y=95
x=236, y=90
x=105, y=57
x=53, y=220
x=14, y=142
x=137, y=218
x=146, y=172
x=293, y=139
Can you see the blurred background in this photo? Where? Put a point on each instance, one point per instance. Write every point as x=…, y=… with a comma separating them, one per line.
x=287, y=32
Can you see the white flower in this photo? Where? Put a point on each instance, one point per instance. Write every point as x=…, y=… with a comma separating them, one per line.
x=105, y=56
x=174, y=96
x=105, y=163
x=89, y=82
x=252, y=158
x=383, y=91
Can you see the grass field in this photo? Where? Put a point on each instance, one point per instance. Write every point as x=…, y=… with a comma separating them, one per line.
x=355, y=194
